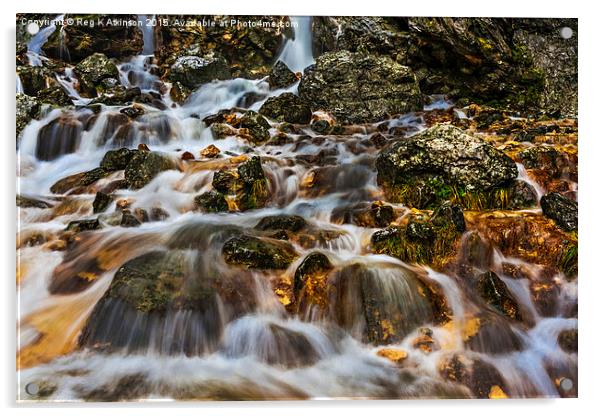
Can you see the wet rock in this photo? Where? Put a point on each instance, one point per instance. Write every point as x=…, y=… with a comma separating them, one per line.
x=248, y=184
x=249, y=50
x=117, y=159
x=310, y=278
x=144, y=166
x=179, y=93
x=134, y=111
x=34, y=79
x=211, y=201
x=568, y=340
x=76, y=42
x=158, y=214
x=187, y=156
x=83, y=225
x=442, y=163
x=101, y=202
x=359, y=88
x=55, y=96
x=210, y=152
x=281, y=76
x=92, y=70
x=497, y=295
x=257, y=253
x=256, y=127
x=428, y=239
x=321, y=126
x=192, y=71
x=292, y=223
x=395, y=355
x=365, y=214
x=368, y=303
x=28, y=108
x=78, y=180
x=27, y=202
x=561, y=209
x=222, y=130
x=479, y=376
x=60, y=136
x=287, y=107
x=491, y=333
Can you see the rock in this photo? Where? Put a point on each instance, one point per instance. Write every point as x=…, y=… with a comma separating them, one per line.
x=281, y=76
x=144, y=166
x=129, y=220
x=394, y=355
x=92, y=70
x=187, y=156
x=321, y=126
x=179, y=93
x=249, y=50
x=76, y=42
x=27, y=202
x=59, y=137
x=222, y=130
x=134, y=111
x=292, y=223
x=256, y=253
x=310, y=279
x=34, y=79
x=192, y=71
x=78, y=180
x=561, y=209
x=101, y=202
x=491, y=333
x=365, y=214
x=56, y=96
x=117, y=159
x=443, y=162
x=247, y=184
x=359, y=88
x=83, y=225
x=568, y=340
x=423, y=239
x=496, y=294
x=210, y=152
x=479, y=376
x=257, y=128
x=287, y=107
x=28, y=108
x=211, y=201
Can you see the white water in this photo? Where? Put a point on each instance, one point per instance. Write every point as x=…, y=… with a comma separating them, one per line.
x=297, y=53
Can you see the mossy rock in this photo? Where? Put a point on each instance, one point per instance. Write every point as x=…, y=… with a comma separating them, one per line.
x=192, y=71
x=211, y=201
x=287, y=107
x=256, y=253
x=561, y=209
x=256, y=127
x=117, y=159
x=292, y=223
x=145, y=166
x=496, y=294
x=78, y=180
x=92, y=70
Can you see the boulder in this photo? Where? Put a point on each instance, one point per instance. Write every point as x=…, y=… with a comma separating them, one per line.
x=359, y=87
x=561, y=209
x=77, y=41
x=254, y=127
x=568, y=340
x=287, y=107
x=192, y=71
x=256, y=253
x=248, y=184
x=482, y=378
x=281, y=76
x=117, y=159
x=144, y=166
x=310, y=279
x=34, y=79
x=443, y=162
x=92, y=70
x=101, y=202
x=77, y=180
x=292, y=223
x=28, y=108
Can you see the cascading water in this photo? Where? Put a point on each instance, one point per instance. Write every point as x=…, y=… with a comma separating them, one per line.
x=229, y=331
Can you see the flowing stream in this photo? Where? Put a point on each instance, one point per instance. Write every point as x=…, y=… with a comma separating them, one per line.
x=263, y=352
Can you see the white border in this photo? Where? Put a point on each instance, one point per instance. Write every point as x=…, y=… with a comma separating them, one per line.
x=590, y=285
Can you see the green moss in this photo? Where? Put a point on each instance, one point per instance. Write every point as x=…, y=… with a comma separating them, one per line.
x=569, y=261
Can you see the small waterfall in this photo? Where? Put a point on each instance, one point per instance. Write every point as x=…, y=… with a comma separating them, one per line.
x=297, y=53
x=148, y=34
x=19, y=85
x=34, y=46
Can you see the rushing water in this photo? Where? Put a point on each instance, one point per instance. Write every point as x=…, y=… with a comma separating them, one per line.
x=266, y=352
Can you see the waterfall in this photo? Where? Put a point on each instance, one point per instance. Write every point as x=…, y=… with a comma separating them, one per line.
x=35, y=44
x=297, y=52
x=148, y=34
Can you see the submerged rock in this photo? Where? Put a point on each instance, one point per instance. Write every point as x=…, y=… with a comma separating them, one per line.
x=292, y=223
x=359, y=88
x=144, y=166
x=192, y=71
x=561, y=209
x=442, y=163
x=78, y=180
x=482, y=378
x=281, y=76
x=568, y=340
x=287, y=107
x=365, y=214
x=92, y=70
x=257, y=253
